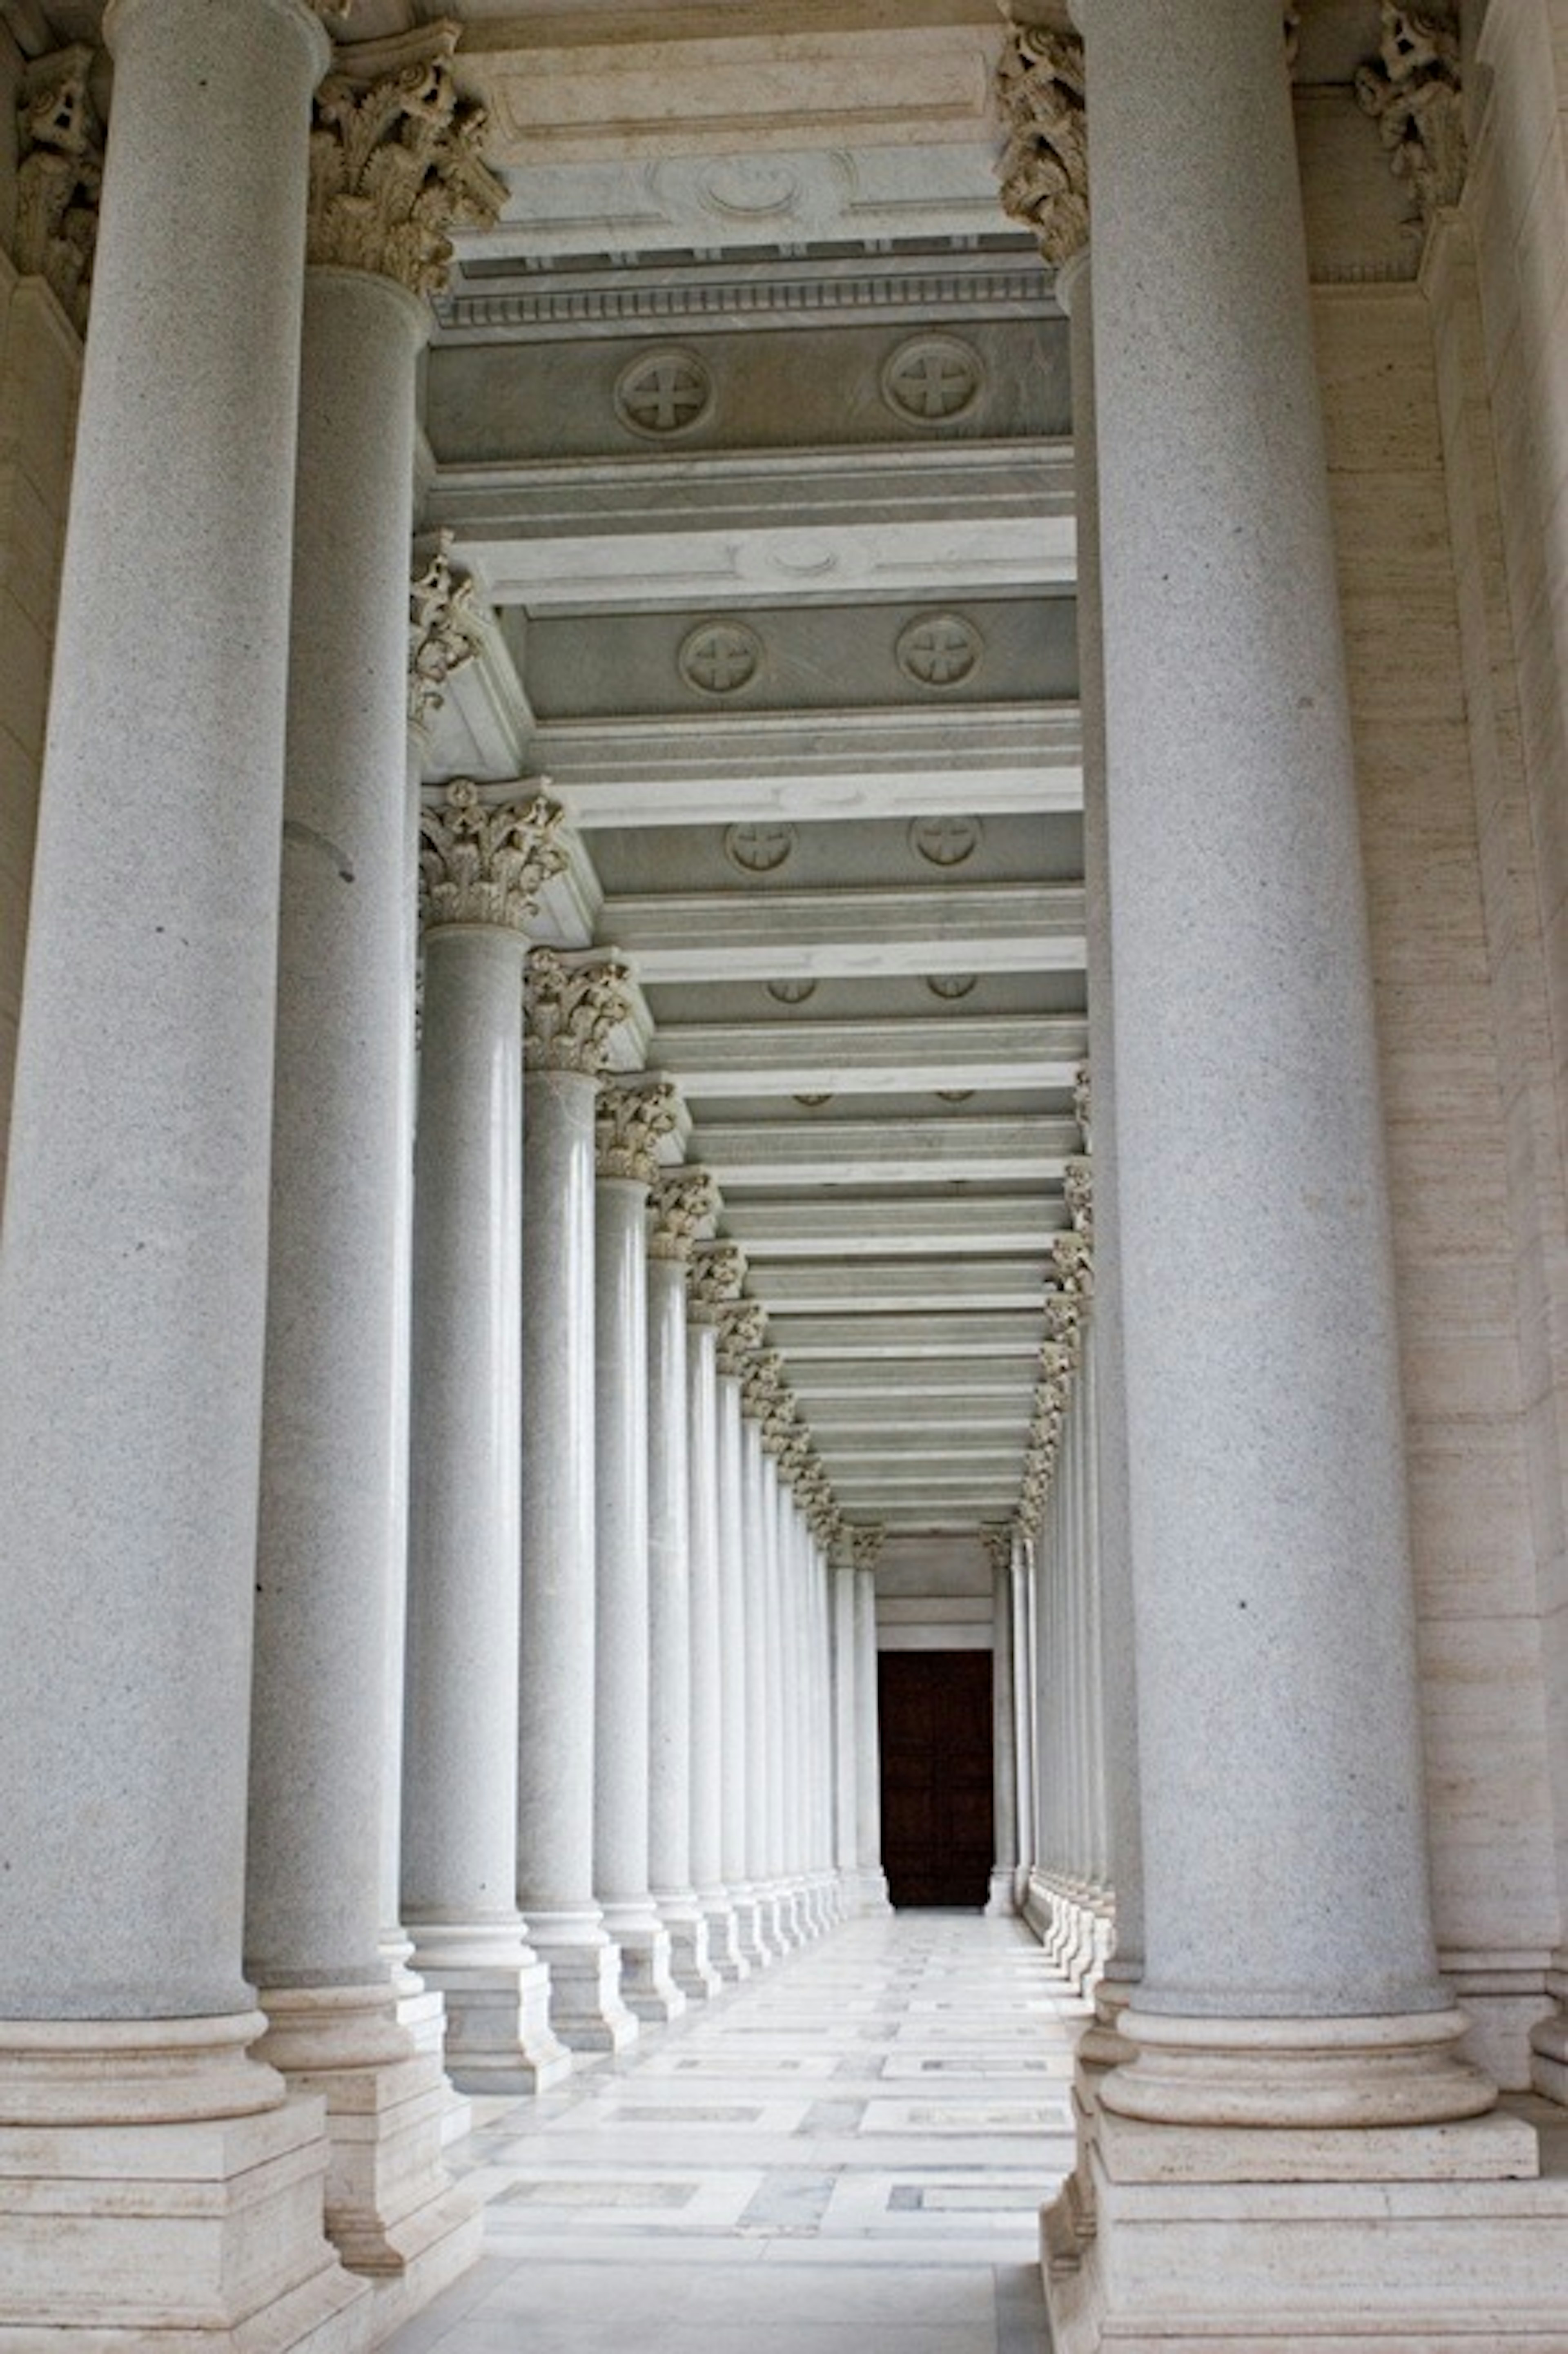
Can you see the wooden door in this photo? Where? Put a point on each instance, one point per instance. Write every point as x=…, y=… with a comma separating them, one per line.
x=938, y=1793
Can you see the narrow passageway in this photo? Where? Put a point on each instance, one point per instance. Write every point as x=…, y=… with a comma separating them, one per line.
x=843, y=2156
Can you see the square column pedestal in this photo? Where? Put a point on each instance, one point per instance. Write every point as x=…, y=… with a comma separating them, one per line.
x=159, y=2192
x=1391, y=2240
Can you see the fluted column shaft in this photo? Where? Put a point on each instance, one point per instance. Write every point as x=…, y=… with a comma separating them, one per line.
x=459, y=1783
x=1257, y=1293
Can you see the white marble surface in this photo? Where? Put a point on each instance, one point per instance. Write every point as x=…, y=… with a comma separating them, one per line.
x=844, y=2157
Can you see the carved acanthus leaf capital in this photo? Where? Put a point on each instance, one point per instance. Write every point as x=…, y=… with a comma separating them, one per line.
x=715, y=1274
x=485, y=863
x=60, y=174
x=793, y=1456
x=1073, y=1257
x=397, y=161
x=1083, y=1104
x=761, y=1383
x=997, y=1538
x=779, y=1419
x=1064, y=1321
x=1412, y=88
x=446, y=630
x=684, y=1204
x=1044, y=165
x=571, y=1011
x=631, y=1119
x=741, y=1326
x=1078, y=1192
x=865, y=1546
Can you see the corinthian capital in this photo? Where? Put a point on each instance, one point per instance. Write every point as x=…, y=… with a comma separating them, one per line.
x=1078, y=1192
x=395, y=160
x=1044, y=164
x=571, y=1011
x=633, y=1117
x=761, y=1384
x=865, y=1546
x=59, y=172
x=446, y=630
x=1412, y=89
x=997, y=1538
x=482, y=863
x=684, y=1201
x=741, y=1325
x=714, y=1274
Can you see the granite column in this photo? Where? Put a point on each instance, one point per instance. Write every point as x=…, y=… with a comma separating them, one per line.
x=132, y=1284
x=635, y=1117
x=714, y=1276
x=1005, y=1730
x=483, y=862
x=574, y=1004
x=684, y=1203
x=866, y=1543
x=740, y=1327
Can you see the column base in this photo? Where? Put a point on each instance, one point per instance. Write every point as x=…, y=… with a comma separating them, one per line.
x=794, y=1912
x=690, y=1963
x=725, y=1957
x=587, y=2013
x=422, y=2011
x=750, y=1932
x=159, y=2189
x=392, y=2209
x=873, y=1889
x=1385, y=2241
x=497, y=1996
x=648, y=1986
x=1001, y=1903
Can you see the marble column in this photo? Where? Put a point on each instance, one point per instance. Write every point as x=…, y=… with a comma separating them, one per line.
x=1098, y=1116
x=683, y=1203
x=635, y=1117
x=1004, y=1731
x=334, y=1466
x=740, y=1329
x=867, y=1546
x=483, y=861
x=714, y=1275
x=821, y=1522
x=1260, y=1298
x=133, y=1286
x=573, y=1006
x=780, y=1436
x=846, y=1769
x=1024, y=1736
x=760, y=1870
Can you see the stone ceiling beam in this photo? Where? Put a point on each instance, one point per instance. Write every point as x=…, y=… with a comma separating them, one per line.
x=863, y=1338
x=794, y=1153
x=811, y=767
x=826, y=1227
x=997, y=1052
x=972, y=927
x=963, y=1381
x=819, y=1287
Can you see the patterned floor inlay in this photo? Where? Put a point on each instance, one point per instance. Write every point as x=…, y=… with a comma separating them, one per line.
x=845, y=2154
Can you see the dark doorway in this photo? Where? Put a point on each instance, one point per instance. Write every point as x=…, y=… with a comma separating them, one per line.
x=937, y=1828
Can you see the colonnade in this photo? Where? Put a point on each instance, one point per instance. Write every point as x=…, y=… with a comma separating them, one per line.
x=272, y=1328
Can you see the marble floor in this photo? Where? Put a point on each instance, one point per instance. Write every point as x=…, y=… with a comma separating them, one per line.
x=845, y=2154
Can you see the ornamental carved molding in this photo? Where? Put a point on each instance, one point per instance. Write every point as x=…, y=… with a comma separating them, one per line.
x=741, y=1326
x=682, y=1205
x=446, y=630
x=1078, y=1192
x=1044, y=167
x=715, y=1273
x=571, y=1011
x=997, y=1538
x=761, y=1383
x=866, y=1547
x=486, y=863
x=397, y=160
x=633, y=1117
x=60, y=176
x=1412, y=89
